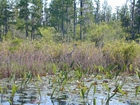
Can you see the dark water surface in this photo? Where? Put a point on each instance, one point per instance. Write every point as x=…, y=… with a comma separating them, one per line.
x=39, y=91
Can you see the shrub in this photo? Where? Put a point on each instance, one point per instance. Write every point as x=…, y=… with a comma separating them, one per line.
x=15, y=44
x=47, y=33
x=121, y=53
x=106, y=33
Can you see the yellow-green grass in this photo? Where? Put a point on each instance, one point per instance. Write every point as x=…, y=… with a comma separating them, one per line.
x=18, y=57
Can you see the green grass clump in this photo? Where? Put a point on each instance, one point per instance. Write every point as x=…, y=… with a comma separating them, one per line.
x=121, y=53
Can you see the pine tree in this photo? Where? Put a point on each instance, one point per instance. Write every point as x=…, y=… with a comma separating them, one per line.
x=5, y=15
x=132, y=20
x=24, y=16
x=60, y=15
x=137, y=17
x=13, y=16
x=36, y=16
x=106, y=12
x=30, y=15
x=125, y=16
x=97, y=11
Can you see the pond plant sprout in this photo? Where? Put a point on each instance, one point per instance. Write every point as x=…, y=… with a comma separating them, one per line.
x=137, y=72
x=52, y=94
x=118, y=89
x=137, y=90
x=14, y=90
x=94, y=92
x=79, y=73
x=12, y=78
x=26, y=78
x=2, y=93
x=61, y=80
x=83, y=90
x=38, y=90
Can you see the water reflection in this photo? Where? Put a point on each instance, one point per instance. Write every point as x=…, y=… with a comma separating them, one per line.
x=70, y=96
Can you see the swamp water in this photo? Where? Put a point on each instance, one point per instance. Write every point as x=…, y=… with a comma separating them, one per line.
x=53, y=90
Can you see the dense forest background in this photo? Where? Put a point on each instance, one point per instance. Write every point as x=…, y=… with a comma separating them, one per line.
x=67, y=20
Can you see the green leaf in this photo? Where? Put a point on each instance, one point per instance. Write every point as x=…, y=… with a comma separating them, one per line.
x=106, y=86
x=95, y=89
x=138, y=74
x=14, y=89
x=137, y=90
x=53, y=93
x=94, y=101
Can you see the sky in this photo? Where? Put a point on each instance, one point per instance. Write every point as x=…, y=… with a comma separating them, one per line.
x=114, y=3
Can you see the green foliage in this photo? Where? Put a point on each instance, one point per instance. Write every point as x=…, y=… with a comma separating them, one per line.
x=54, y=69
x=137, y=72
x=14, y=90
x=122, y=53
x=15, y=44
x=106, y=33
x=52, y=94
x=8, y=36
x=83, y=91
x=26, y=78
x=38, y=44
x=47, y=33
x=137, y=90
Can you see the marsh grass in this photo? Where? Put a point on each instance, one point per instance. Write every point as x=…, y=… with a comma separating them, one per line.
x=40, y=58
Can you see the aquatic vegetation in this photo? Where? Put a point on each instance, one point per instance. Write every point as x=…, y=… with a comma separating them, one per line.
x=118, y=88
x=78, y=73
x=26, y=78
x=14, y=90
x=90, y=76
x=38, y=90
x=83, y=90
x=69, y=89
x=137, y=72
x=53, y=93
x=137, y=90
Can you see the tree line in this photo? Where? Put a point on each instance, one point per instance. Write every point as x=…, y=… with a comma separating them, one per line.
x=24, y=18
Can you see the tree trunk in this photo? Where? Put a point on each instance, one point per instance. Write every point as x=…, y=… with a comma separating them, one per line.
x=74, y=22
x=62, y=23
x=32, y=31
x=133, y=10
x=81, y=19
x=97, y=11
x=0, y=34
x=26, y=21
x=26, y=27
